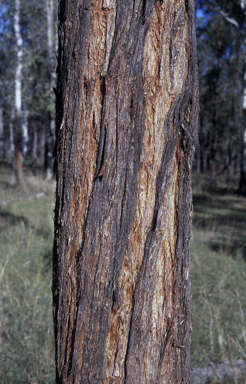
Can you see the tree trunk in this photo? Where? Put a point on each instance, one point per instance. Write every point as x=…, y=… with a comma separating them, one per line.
x=213, y=144
x=12, y=148
x=1, y=134
x=242, y=181
x=19, y=161
x=49, y=148
x=50, y=131
x=127, y=111
x=34, y=140
x=50, y=38
x=18, y=74
x=25, y=134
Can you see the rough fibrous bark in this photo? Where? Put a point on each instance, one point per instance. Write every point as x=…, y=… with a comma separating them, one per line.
x=127, y=108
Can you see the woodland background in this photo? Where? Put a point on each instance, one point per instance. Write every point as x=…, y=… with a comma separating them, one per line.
x=28, y=45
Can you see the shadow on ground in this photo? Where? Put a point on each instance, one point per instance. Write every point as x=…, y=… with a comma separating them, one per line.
x=9, y=219
x=224, y=215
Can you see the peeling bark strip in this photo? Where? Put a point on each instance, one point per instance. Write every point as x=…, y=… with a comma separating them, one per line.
x=127, y=111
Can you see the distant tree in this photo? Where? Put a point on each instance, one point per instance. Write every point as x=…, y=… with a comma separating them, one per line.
x=1, y=133
x=127, y=111
x=38, y=25
x=19, y=134
x=26, y=69
x=222, y=52
x=50, y=131
x=7, y=81
x=242, y=183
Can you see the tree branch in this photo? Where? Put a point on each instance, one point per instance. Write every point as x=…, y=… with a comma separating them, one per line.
x=225, y=15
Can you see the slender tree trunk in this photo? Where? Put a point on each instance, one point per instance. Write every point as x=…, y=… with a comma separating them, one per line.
x=50, y=131
x=18, y=74
x=25, y=134
x=19, y=161
x=213, y=148
x=198, y=164
x=50, y=39
x=49, y=148
x=228, y=163
x=34, y=141
x=205, y=153
x=1, y=134
x=242, y=181
x=12, y=148
x=127, y=111
x=41, y=146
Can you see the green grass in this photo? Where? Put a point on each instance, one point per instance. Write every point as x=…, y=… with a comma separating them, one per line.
x=218, y=276
x=218, y=254
x=26, y=334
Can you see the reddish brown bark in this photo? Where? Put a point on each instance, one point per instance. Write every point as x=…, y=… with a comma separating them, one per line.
x=127, y=109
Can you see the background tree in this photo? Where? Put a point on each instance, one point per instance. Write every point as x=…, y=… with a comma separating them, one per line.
x=127, y=110
x=7, y=76
x=221, y=48
x=50, y=131
x=37, y=99
x=20, y=136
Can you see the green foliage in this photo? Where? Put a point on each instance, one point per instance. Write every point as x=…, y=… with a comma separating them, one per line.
x=36, y=67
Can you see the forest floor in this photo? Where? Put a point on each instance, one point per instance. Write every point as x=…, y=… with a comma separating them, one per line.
x=218, y=275
x=26, y=236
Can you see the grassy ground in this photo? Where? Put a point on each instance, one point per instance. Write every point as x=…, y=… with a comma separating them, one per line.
x=26, y=331
x=218, y=254
x=218, y=275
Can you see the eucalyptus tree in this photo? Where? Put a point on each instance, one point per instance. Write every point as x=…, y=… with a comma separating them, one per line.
x=4, y=78
x=8, y=58
x=242, y=184
x=222, y=52
x=127, y=111
x=20, y=134
x=1, y=133
x=50, y=131
x=27, y=69
x=38, y=24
